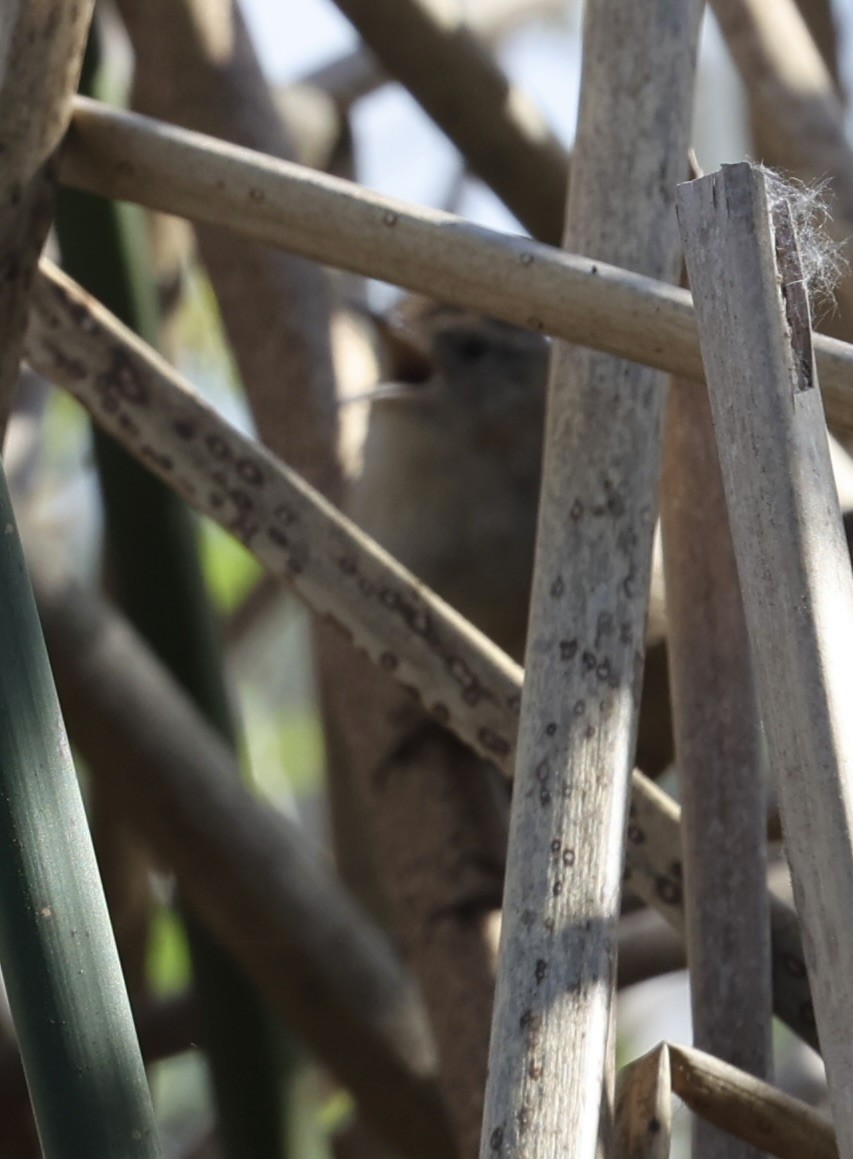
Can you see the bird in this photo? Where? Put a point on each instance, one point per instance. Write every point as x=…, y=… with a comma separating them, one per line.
x=451, y=460
x=445, y=456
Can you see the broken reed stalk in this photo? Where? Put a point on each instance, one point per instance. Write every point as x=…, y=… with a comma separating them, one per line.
x=455, y=671
x=60, y=966
x=792, y=559
x=550, y=1086
x=248, y=872
x=336, y=222
x=794, y=98
x=643, y=1115
x=718, y=758
x=504, y=139
x=742, y=1106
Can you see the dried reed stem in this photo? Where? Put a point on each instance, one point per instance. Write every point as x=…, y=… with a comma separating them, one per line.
x=792, y=560
x=585, y=644
x=749, y=1109
x=497, y=129
x=358, y=73
x=718, y=757
x=41, y=51
x=644, y=1107
x=333, y=221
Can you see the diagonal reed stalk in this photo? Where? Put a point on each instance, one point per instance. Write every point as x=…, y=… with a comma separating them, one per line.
x=496, y=127
x=752, y=1110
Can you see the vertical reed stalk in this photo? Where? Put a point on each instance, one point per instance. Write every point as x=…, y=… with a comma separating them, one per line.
x=792, y=561
x=550, y=1077
x=718, y=756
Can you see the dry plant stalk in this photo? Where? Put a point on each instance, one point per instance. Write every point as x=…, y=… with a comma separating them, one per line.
x=589, y=606
x=358, y=73
x=737, y=1103
x=347, y=78
x=333, y=221
x=819, y=16
x=718, y=757
x=643, y=1117
x=81, y=347
x=41, y=51
x=749, y=1109
x=504, y=139
x=792, y=559
x=195, y=66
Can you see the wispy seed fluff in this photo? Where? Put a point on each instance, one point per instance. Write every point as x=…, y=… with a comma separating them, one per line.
x=821, y=257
